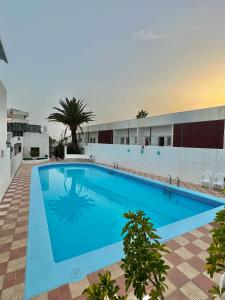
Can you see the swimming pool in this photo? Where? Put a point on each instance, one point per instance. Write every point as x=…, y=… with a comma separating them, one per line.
x=76, y=218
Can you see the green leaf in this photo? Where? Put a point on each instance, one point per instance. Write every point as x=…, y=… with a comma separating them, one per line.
x=143, y=262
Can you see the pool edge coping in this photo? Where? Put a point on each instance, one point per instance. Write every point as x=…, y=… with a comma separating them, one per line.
x=34, y=266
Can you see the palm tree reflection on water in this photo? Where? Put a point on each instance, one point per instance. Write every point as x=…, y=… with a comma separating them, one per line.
x=72, y=206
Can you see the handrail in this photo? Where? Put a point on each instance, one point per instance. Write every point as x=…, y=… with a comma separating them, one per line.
x=170, y=179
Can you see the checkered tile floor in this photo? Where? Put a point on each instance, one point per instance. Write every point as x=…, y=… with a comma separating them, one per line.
x=187, y=278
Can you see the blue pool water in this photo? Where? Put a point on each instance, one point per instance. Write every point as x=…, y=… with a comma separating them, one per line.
x=76, y=217
x=84, y=206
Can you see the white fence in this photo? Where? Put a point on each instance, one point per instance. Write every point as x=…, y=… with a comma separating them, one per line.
x=15, y=163
x=8, y=168
x=34, y=161
x=4, y=172
x=186, y=163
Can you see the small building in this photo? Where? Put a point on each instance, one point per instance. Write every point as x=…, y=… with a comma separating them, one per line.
x=201, y=128
x=31, y=139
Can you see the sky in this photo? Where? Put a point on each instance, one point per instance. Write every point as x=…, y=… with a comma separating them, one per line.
x=120, y=56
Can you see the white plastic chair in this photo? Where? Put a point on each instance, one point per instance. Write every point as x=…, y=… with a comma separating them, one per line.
x=206, y=179
x=218, y=181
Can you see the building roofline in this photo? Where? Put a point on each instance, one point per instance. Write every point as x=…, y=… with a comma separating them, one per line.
x=18, y=112
x=194, y=115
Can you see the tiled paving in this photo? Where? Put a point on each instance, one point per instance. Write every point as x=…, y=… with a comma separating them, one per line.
x=187, y=278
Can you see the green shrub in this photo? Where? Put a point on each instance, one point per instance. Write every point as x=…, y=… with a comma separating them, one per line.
x=143, y=263
x=73, y=149
x=215, y=263
x=59, y=151
x=106, y=288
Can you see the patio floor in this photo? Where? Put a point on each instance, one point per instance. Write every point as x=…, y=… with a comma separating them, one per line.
x=187, y=278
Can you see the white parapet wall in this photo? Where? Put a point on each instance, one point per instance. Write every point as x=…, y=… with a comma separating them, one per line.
x=5, y=176
x=185, y=163
x=15, y=163
x=4, y=151
x=75, y=157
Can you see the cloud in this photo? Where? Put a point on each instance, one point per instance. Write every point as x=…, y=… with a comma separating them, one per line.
x=145, y=35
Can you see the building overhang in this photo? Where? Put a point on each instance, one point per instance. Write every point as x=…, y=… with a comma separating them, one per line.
x=199, y=115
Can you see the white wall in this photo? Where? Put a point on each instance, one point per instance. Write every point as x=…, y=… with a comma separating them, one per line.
x=5, y=176
x=33, y=139
x=15, y=163
x=4, y=152
x=3, y=117
x=35, y=161
x=186, y=163
x=16, y=141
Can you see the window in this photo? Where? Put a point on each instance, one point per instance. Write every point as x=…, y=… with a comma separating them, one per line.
x=168, y=140
x=92, y=140
x=135, y=140
x=34, y=151
x=122, y=140
x=161, y=141
x=147, y=140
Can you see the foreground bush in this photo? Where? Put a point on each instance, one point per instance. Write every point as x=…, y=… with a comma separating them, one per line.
x=71, y=149
x=143, y=263
x=106, y=288
x=215, y=263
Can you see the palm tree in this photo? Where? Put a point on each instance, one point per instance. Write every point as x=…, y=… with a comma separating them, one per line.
x=71, y=207
x=72, y=114
x=142, y=114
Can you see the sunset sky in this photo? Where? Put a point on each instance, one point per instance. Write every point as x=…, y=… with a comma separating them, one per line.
x=119, y=55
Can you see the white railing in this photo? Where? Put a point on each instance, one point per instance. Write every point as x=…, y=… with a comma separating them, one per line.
x=4, y=172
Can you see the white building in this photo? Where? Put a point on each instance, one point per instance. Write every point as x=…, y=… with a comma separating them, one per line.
x=18, y=138
x=202, y=128
x=4, y=150
x=31, y=140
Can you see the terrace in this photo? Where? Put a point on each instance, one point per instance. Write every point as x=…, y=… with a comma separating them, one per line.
x=187, y=278
x=91, y=229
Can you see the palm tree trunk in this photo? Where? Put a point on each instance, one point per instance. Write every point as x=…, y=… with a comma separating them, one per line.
x=74, y=138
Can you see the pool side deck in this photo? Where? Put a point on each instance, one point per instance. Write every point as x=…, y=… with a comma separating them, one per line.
x=187, y=278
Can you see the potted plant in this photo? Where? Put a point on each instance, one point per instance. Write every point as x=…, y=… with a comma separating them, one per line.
x=143, y=263
x=215, y=263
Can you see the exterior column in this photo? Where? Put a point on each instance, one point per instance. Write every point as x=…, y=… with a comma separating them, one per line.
x=137, y=135
x=172, y=135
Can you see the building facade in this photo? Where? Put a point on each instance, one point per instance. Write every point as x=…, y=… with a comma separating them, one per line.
x=202, y=128
x=27, y=138
x=4, y=149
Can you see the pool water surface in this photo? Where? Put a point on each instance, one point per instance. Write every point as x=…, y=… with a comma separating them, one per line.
x=76, y=218
x=85, y=204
